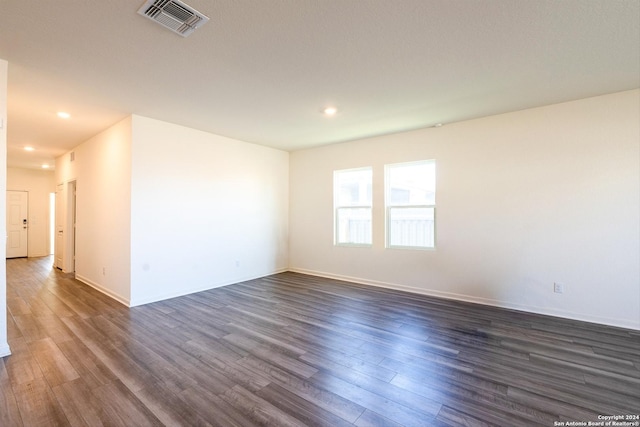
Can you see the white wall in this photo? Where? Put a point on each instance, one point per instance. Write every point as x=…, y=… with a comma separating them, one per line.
x=524, y=200
x=102, y=171
x=39, y=184
x=4, y=345
x=164, y=210
x=205, y=211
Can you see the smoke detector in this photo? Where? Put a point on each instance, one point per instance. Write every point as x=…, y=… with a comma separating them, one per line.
x=174, y=15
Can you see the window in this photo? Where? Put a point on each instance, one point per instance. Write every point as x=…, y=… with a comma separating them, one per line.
x=352, y=202
x=411, y=204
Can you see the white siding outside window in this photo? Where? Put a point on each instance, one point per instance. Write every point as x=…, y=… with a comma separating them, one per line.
x=410, y=204
x=352, y=190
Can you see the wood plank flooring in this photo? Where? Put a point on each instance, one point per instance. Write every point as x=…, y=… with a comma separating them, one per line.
x=296, y=350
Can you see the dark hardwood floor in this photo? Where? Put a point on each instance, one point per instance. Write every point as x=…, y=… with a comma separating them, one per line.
x=292, y=350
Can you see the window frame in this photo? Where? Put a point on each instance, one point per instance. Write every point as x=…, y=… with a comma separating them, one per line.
x=389, y=207
x=337, y=207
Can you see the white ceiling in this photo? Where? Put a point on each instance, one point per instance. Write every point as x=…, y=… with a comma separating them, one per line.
x=261, y=70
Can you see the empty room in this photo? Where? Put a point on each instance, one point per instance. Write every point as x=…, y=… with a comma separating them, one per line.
x=320, y=213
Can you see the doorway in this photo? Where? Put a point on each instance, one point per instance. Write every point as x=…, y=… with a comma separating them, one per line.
x=71, y=226
x=17, y=223
x=52, y=223
x=65, y=218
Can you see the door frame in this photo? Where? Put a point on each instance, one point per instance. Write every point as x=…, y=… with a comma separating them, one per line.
x=70, y=227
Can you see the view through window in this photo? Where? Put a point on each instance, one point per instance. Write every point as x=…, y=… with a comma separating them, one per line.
x=352, y=202
x=411, y=204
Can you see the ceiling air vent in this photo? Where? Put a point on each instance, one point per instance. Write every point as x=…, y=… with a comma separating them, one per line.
x=174, y=15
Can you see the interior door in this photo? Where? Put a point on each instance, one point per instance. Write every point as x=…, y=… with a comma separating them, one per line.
x=17, y=223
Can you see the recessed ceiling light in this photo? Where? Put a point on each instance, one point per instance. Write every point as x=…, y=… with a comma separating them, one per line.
x=63, y=115
x=45, y=166
x=29, y=148
x=330, y=111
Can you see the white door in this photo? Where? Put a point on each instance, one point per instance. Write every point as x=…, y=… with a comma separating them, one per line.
x=17, y=223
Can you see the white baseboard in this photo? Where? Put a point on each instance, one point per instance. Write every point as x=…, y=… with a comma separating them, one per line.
x=5, y=350
x=104, y=290
x=137, y=302
x=142, y=301
x=620, y=323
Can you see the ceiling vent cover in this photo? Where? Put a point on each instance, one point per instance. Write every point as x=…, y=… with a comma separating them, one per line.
x=174, y=15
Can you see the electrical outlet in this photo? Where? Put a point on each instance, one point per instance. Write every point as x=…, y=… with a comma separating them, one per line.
x=558, y=288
